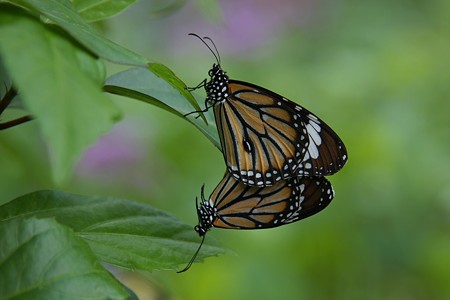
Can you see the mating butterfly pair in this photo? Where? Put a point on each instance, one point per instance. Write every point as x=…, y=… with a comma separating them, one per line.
x=276, y=153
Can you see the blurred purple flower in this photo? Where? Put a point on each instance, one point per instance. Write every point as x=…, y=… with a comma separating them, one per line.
x=122, y=160
x=248, y=24
x=117, y=150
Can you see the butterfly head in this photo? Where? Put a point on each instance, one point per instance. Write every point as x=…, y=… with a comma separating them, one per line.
x=217, y=87
x=206, y=215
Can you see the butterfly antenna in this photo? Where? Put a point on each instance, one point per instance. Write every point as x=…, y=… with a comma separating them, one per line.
x=202, y=197
x=193, y=257
x=196, y=207
x=215, y=48
x=216, y=53
x=202, y=192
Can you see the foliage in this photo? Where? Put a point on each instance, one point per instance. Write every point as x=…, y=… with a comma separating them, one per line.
x=70, y=120
x=146, y=86
x=52, y=242
x=42, y=259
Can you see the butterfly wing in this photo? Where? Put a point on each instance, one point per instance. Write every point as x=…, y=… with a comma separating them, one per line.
x=315, y=194
x=263, y=140
x=239, y=206
x=266, y=137
x=326, y=153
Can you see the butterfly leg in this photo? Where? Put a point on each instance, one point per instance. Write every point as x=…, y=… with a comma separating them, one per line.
x=200, y=85
x=199, y=111
x=190, y=89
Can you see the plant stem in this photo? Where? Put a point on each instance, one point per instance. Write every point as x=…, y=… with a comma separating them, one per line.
x=10, y=94
x=15, y=122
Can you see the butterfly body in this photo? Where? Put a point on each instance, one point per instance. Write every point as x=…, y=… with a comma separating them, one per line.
x=265, y=137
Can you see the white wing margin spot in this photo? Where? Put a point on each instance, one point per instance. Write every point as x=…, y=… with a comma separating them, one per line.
x=315, y=140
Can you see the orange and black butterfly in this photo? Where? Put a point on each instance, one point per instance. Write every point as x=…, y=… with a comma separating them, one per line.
x=265, y=137
x=235, y=205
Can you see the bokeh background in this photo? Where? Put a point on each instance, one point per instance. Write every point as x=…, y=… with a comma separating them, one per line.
x=376, y=71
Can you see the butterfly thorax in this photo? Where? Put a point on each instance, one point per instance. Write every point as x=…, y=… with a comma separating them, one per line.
x=217, y=87
x=206, y=216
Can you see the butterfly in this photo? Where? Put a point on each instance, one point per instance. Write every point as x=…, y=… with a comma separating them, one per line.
x=265, y=137
x=235, y=205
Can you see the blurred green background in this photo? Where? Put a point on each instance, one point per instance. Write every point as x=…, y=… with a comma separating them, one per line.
x=376, y=71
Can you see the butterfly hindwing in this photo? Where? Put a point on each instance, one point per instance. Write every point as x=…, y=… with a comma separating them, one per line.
x=326, y=153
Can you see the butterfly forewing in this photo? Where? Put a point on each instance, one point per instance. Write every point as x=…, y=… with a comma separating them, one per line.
x=263, y=142
x=239, y=206
x=290, y=129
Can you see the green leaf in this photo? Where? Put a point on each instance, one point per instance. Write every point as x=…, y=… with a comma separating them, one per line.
x=68, y=18
x=144, y=85
x=94, y=68
x=41, y=259
x=167, y=74
x=161, y=9
x=120, y=232
x=96, y=10
x=59, y=85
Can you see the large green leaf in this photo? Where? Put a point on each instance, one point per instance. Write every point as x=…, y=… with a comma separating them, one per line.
x=41, y=259
x=96, y=10
x=59, y=84
x=65, y=15
x=120, y=232
x=145, y=85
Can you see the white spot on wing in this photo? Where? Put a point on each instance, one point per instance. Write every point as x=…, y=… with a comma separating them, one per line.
x=313, y=117
x=302, y=188
x=316, y=126
x=315, y=139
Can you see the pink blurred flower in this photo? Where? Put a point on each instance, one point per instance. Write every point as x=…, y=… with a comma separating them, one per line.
x=248, y=24
x=112, y=153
